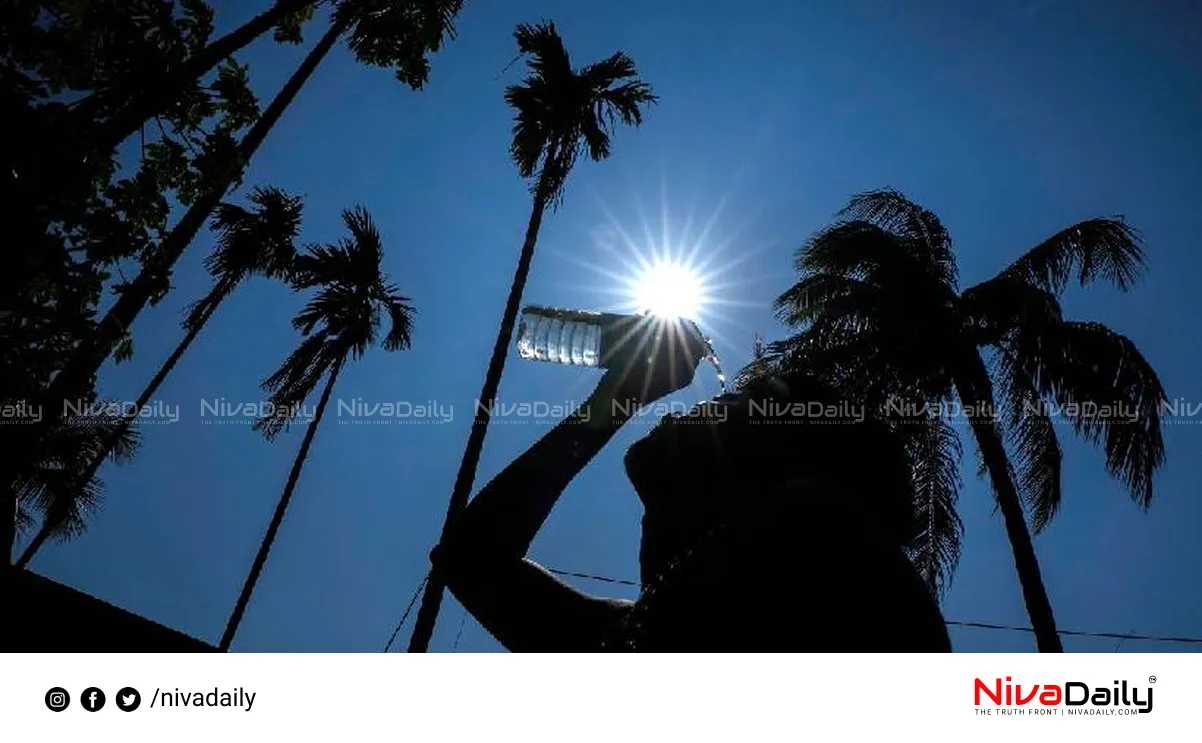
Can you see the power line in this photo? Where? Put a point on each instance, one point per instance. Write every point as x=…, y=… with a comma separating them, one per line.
x=1079, y=633
x=418, y=591
x=954, y=623
x=459, y=634
x=590, y=576
x=977, y=625
x=405, y=615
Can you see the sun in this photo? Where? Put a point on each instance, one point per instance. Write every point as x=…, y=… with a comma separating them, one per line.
x=668, y=289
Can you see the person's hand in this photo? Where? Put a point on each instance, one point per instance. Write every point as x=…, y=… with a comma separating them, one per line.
x=659, y=356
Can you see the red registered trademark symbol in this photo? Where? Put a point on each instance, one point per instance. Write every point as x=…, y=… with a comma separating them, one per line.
x=1151, y=679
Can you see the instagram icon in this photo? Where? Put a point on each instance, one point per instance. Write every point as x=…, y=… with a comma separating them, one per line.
x=57, y=699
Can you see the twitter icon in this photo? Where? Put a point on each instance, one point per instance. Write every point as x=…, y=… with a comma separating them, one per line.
x=128, y=699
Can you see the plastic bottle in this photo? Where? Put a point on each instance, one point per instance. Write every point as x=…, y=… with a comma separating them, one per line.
x=578, y=337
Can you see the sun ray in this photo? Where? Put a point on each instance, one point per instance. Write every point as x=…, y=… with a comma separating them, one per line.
x=664, y=216
x=614, y=223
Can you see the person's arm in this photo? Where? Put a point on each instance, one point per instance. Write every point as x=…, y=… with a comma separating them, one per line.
x=482, y=556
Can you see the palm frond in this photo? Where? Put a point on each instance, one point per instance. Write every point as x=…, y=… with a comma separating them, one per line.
x=560, y=112
x=995, y=308
x=262, y=241
x=934, y=451
x=538, y=99
x=196, y=312
x=1106, y=389
x=293, y=383
x=835, y=349
x=869, y=338
x=547, y=56
x=1031, y=438
x=367, y=247
x=400, y=317
x=54, y=486
x=121, y=439
x=617, y=93
x=821, y=293
x=919, y=229
x=868, y=253
x=398, y=33
x=857, y=250
x=530, y=134
x=1106, y=249
x=63, y=501
x=352, y=263
x=326, y=304
x=24, y=521
x=322, y=264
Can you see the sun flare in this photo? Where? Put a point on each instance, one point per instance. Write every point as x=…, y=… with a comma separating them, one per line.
x=668, y=289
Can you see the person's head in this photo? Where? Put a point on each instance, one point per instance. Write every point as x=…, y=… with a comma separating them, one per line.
x=749, y=453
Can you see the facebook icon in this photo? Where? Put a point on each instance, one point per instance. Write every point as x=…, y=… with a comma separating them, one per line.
x=92, y=699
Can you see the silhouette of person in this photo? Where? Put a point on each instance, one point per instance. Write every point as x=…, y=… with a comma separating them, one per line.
x=775, y=519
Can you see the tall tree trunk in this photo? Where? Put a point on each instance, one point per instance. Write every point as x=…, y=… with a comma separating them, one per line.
x=976, y=394
x=76, y=375
x=281, y=508
x=144, y=99
x=53, y=521
x=423, y=627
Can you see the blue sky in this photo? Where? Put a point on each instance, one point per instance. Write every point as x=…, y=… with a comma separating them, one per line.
x=1009, y=120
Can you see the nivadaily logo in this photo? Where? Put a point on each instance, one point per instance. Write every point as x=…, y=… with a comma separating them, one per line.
x=1071, y=697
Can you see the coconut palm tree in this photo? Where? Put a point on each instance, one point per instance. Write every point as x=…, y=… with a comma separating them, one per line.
x=559, y=113
x=340, y=323
x=61, y=486
x=261, y=242
x=879, y=310
x=379, y=32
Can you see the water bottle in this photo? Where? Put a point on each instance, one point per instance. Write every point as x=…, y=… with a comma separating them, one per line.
x=584, y=338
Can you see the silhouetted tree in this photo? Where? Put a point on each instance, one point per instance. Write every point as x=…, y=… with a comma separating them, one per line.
x=559, y=114
x=61, y=485
x=881, y=313
x=260, y=242
x=340, y=323
x=72, y=228
x=64, y=67
x=379, y=33
x=112, y=115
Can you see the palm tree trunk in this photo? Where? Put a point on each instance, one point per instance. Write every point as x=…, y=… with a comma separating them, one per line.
x=43, y=534
x=231, y=628
x=211, y=302
x=147, y=98
x=975, y=393
x=423, y=627
x=76, y=375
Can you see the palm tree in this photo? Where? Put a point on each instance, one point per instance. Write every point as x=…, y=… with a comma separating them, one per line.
x=249, y=243
x=559, y=114
x=60, y=486
x=340, y=323
x=379, y=32
x=879, y=311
